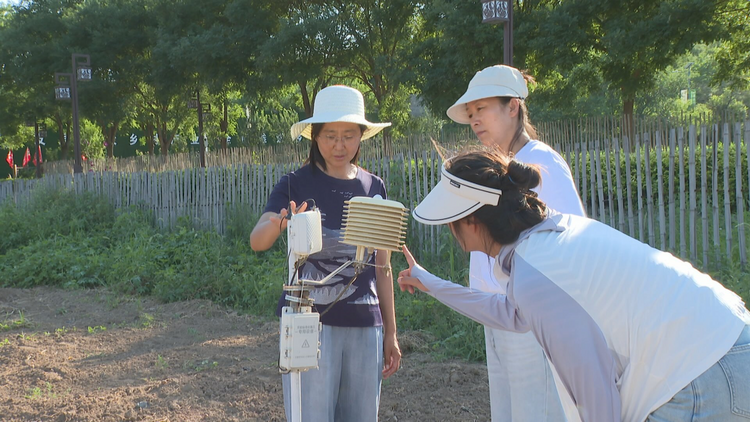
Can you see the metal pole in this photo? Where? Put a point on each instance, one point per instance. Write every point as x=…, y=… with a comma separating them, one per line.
x=508, y=37
x=296, y=387
x=200, y=130
x=36, y=150
x=77, y=165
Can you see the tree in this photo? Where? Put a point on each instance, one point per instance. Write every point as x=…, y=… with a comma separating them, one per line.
x=382, y=33
x=32, y=49
x=454, y=46
x=308, y=51
x=588, y=56
x=114, y=34
x=733, y=56
x=697, y=71
x=218, y=48
x=364, y=43
x=627, y=41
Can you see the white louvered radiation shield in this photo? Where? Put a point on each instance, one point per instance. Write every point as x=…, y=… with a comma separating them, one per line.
x=374, y=223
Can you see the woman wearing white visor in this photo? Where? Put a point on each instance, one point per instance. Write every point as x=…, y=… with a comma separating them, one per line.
x=522, y=387
x=632, y=332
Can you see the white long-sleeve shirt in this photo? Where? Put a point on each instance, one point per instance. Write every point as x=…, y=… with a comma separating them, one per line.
x=624, y=325
x=557, y=190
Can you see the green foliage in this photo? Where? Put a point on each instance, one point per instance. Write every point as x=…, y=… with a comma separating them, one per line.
x=239, y=219
x=270, y=127
x=11, y=323
x=52, y=213
x=70, y=241
x=128, y=254
x=734, y=52
x=625, y=42
x=92, y=140
x=697, y=70
x=425, y=125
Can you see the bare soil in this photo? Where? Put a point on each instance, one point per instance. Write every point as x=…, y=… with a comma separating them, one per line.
x=91, y=355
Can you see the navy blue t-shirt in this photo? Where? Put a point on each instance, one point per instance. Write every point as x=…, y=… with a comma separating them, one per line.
x=358, y=305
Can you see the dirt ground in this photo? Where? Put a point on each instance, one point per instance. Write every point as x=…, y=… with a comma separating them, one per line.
x=96, y=356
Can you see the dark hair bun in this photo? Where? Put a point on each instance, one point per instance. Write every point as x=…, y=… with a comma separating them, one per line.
x=518, y=208
x=522, y=176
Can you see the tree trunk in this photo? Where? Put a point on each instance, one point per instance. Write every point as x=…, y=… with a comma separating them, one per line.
x=149, y=131
x=224, y=125
x=63, y=140
x=306, y=99
x=109, y=138
x=387, y=138
x=163, y=139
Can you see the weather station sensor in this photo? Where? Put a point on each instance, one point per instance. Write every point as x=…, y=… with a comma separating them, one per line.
x=370, y=224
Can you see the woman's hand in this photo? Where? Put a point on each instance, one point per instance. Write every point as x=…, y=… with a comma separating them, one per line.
x=405, y=281
x=270, y=225
x=280, y=219
x=391, y=356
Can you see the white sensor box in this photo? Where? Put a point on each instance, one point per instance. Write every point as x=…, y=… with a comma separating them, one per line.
x=306, y=233
x=299, y=340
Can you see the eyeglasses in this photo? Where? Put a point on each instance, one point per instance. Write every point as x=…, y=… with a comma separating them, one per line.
x=332, y=139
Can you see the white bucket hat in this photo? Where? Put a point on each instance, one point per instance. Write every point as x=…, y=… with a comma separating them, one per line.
x=452, y=199
x=338, y=103
x=494, y=81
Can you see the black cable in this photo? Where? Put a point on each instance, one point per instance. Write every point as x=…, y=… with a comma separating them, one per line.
x=356, y=274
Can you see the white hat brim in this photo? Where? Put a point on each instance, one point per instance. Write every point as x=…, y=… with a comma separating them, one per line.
x=453, y=199
x=304, y=127
x=457, y=112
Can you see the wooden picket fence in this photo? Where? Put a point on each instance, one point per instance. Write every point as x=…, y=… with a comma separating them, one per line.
x=697, y=202
x=694, y=207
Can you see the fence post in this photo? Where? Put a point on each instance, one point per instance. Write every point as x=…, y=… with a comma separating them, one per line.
x=628, y=187
x=739, y=200
x=681, y=221
x=704, y=193
x=660, y=188
x=649, y=190
x=726, y=146
x=692, y=192
x=715, y=194
x=618, y=181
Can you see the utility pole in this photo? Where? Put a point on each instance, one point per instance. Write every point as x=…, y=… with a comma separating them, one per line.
x=500, y=11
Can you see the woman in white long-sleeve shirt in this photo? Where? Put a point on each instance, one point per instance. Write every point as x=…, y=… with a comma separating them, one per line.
x=632, y=332
x=521, y=383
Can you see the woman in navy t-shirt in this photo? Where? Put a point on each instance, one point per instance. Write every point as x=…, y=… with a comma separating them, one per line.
x=358, y=342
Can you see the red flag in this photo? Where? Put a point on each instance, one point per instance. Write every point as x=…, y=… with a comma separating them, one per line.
x=26, y=157
x=38, y=156
x=9, y=158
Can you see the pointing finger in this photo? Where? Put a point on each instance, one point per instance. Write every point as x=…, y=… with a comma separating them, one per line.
x=409, y=257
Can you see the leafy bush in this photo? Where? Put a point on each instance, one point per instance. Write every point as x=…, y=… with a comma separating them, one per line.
x=51, y=213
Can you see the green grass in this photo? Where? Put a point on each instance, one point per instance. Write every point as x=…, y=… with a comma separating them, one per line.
x=11, y=322
x=97, y=329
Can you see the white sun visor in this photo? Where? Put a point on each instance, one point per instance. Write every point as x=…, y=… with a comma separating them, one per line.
x=452, y=199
